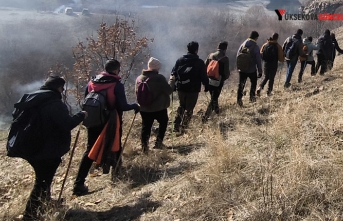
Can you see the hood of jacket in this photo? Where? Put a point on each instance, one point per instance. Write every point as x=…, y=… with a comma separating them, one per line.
x=272, y=41
x=103, y=81
x=190, y=56
x=297, y=37
x=306, y=41
x=149, y=73
x=249, y=42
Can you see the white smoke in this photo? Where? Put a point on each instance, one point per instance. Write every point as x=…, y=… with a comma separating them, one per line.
x=60, y=9
x=27, y=88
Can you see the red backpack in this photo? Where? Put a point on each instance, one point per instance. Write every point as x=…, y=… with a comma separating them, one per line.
x=213, y=69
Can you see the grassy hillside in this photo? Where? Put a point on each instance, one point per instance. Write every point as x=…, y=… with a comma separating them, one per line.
x=277, y=159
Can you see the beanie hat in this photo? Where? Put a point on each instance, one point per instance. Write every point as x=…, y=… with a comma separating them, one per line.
x=154, y=64
x=54, y=82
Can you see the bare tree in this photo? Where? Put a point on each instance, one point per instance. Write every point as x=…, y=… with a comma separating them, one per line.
x=118, y=41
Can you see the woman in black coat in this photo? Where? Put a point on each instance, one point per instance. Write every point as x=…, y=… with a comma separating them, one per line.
x=56, y=135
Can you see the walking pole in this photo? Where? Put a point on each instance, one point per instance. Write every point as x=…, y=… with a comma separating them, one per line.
x=122, y=150
x=172, y=118
x=71, y=157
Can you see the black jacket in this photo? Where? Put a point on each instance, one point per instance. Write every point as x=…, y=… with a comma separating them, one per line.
x=57, y=125
x=326, y=49
x=199, y=78
x=335, y=43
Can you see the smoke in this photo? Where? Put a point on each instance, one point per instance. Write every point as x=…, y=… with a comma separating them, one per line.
x=77, y=2
x=28, y=88
x=35, y=41
x=60, y=9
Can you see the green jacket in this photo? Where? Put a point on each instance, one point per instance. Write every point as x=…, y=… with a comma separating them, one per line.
x=160, y=89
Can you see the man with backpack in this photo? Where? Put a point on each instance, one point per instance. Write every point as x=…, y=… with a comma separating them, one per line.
x=271, y=53
x=292, y=48
x=53, y=127
x=154, y=100
x=218, y=71
x=248, y=58
x=325, y=52
x=188, y=73
x=109, y=82
x=308, y=48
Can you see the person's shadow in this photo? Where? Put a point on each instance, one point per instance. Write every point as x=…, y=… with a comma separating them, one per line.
x=116, y=213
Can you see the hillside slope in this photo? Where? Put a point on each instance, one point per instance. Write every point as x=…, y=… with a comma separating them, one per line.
x=277, y=159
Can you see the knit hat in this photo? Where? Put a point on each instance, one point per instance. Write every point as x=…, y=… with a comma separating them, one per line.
x=154, y=64
x=54, y=82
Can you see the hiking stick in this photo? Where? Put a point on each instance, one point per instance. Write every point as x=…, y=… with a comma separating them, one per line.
x=71, y=157
x=122, y=149
x=172, y=95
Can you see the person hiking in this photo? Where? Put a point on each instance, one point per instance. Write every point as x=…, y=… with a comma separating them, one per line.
x=108, y=80
x=56, y=138
x=271, y=53
x=188, y=73
x=251, y=65
x=224, y=73
x=325, y=52
x=292, y=48
x=156, y=109
x=336, y=46
x=310, y=47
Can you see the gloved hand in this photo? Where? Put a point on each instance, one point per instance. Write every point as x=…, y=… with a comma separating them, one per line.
x=259, y=75
x=137, y=108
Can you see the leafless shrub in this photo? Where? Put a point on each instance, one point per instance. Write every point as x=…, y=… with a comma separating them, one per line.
x=118, y=41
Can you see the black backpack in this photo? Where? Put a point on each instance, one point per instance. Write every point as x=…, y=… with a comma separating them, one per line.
x=185, y=75
x=270, y=53
x=25, y=136
x=326, y=47
x=95, y=104
x=291, y=48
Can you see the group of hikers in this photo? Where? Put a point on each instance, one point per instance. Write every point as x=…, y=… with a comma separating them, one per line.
x=153, y=92
x=294, y=49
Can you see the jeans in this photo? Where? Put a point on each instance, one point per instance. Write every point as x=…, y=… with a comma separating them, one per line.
x=290, y=69
x=45, y=171
x=242, y=80
x=184, y=114
x=269, y=76
x=147, y=121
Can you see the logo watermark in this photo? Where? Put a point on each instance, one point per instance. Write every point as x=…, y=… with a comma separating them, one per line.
x=281, y=13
